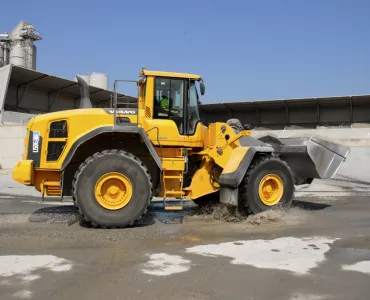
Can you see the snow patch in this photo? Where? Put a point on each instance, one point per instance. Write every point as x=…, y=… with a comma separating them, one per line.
x=362, y=266
x=23, y=294
x=61, y=268
x=162, y=264
x=307, y=297
x=30, y=277
x=23, y=265
x=298, y=255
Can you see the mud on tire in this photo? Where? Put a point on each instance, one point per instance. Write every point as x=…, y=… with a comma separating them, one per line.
x=102, y=163
x=249, y=189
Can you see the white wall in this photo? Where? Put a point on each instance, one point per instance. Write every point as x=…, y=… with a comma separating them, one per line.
x=12, y=139
x=4, y=80
x=347, y=136
x=15, y=118
x=11, y=145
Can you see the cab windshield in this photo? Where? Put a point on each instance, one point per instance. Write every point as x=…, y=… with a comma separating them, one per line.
x=177, y=99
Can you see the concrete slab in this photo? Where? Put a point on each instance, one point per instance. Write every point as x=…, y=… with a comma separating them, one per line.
x=317, y=251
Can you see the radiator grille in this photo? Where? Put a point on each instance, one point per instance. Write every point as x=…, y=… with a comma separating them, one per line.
x=55, y=149
x=58, y=129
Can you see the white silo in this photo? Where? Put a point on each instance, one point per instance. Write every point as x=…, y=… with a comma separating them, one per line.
x=17, y=56
x=34, y=57
x=29, y=55
x=25, y=35
x=1, y=56
x=99, y=80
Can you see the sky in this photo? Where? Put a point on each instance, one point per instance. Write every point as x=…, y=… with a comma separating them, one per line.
x=244, y=50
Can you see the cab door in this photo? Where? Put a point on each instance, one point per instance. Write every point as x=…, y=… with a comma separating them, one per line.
x=175, y=119
x=167, y=124
x=193, y=127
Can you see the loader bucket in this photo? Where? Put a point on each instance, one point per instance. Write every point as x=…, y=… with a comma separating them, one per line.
x=327, y=156
x=309, y=157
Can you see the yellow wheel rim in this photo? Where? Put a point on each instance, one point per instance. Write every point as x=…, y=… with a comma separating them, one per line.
x=113, y=191
x=271, y=189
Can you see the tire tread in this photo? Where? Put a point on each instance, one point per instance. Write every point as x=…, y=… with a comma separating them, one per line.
x=256, y=163
x=89, y=160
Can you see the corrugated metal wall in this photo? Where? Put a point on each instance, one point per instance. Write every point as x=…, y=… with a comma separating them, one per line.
x=305, y=113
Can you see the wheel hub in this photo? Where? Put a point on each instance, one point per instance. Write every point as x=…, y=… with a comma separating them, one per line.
x=271, y=189
x=113, y=191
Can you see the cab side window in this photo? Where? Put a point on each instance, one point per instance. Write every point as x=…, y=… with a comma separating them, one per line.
x=169, y=100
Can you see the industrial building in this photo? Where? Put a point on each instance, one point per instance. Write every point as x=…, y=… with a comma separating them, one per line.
x=307, y=113
x=17, y=48
x=25, y=92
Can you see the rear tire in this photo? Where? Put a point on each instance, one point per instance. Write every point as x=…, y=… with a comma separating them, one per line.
x=268, y=184
x=136, y=186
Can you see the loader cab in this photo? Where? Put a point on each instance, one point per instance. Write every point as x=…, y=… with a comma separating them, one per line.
x=173, y=100
x=177, y=99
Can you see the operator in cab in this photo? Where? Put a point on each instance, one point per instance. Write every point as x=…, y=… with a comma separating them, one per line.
x=164, y=103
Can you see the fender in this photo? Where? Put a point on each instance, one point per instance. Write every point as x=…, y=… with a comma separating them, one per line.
x=122, y=128
x=238, y=164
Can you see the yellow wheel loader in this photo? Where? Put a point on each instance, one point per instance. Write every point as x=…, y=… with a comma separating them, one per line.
x=113, y=161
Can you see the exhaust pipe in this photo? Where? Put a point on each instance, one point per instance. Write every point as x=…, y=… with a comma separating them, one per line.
x=85, y=94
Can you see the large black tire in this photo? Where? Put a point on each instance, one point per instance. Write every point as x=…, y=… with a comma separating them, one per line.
x=249, y=189
x=100, y=164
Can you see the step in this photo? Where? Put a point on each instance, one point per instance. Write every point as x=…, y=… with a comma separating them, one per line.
x=52, y=189
x=173, y=164
x=175, y=193
x=173, y=207
x=172, y=177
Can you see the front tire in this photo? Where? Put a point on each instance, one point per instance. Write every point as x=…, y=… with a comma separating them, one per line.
x=112, y=189
x=268, y=184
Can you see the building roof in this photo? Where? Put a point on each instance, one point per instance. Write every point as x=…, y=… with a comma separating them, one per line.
x=25, y=90
x=49, y=83
x=335, y=101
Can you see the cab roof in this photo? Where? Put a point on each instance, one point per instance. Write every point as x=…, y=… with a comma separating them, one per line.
x=169, y=74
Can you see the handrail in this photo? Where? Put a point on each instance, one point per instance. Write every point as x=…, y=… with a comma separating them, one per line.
x=115, y=99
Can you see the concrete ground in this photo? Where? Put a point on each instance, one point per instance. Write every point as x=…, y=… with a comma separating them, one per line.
x=319, y=249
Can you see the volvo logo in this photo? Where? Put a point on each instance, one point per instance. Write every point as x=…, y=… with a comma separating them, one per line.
x=122, y=111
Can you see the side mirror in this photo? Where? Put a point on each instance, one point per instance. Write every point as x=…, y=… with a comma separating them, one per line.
x=202, y=87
